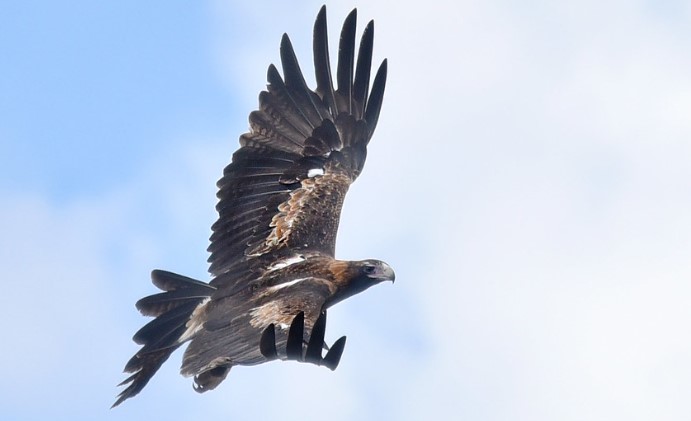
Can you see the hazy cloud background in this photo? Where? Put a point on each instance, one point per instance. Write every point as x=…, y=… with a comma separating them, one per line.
x=529, y=182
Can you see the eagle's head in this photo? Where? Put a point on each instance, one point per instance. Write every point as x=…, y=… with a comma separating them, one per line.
x=357, y=276
x=374, y=272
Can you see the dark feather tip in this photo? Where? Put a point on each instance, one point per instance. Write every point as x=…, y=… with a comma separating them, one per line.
x=267, y=344
x=376, y=97
x=333, y=357
x=316, y=343
x=295, y=337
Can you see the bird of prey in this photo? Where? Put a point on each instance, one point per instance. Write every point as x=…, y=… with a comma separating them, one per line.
x=272, y=249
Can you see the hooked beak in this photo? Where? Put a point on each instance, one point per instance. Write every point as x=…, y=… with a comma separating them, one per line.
x=387, y=273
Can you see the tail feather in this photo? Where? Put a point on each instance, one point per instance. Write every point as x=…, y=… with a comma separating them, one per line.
x=169, y=281
x=157, y=304
x=148, y=365
x=161, y=336
x=162, y=325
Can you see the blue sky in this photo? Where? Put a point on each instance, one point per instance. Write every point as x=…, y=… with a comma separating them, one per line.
x=528, y=181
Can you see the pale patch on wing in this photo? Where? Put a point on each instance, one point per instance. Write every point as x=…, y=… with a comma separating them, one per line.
x=268, y=313
x=315, y=172
x=285, y=284
x=195, y=323
x=286, y=262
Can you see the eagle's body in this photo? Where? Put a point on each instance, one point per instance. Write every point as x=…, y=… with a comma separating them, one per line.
x=273, y=246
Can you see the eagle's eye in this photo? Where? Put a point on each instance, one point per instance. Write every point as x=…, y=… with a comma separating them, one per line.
x=369, y=269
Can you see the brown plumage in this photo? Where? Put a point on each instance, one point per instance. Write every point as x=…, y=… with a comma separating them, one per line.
x=273, y=245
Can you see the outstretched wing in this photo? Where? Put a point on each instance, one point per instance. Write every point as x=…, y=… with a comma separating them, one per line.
x=281, y=195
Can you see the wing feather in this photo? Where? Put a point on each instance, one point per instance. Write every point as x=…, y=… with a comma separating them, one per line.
x=362, y=70
x=322, y=64
x=297, y=87
x=284, y=100
x=344, y=71
x=376, y=98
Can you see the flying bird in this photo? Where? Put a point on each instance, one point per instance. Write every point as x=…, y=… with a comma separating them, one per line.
x=273, y=246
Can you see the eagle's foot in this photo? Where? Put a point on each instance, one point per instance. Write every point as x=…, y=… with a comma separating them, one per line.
x=294, y=344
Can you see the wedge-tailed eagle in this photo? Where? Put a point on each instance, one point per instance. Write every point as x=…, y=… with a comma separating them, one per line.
x=272, y=248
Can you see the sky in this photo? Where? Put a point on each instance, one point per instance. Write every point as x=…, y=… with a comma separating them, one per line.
x=529, y=181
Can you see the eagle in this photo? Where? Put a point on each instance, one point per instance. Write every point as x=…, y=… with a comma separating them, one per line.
x=272, y=252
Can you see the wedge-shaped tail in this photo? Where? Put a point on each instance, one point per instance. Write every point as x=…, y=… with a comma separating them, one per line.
x=161, y=336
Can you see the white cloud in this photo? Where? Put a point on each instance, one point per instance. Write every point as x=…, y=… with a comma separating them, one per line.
x=58, y=302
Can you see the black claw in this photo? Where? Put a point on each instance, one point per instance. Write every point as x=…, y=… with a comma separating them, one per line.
x=267, y=343
x=314, y=347
x=333, y=357
x=295, y=337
